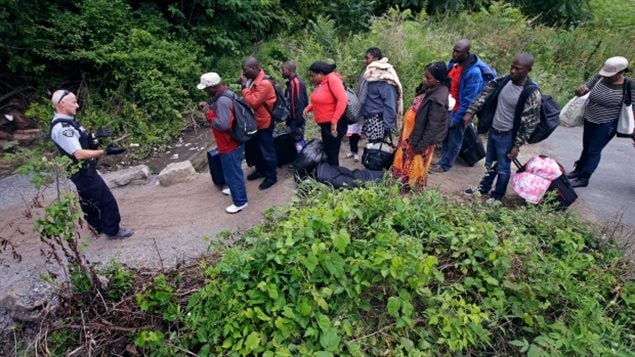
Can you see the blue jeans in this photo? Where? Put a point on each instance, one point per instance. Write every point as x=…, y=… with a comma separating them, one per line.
x=233, y=174
x=268, y=165
x=452, y=146
x=594, y=138
x=497, y=164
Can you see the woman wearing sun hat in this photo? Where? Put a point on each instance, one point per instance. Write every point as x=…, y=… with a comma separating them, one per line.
x=607, y=91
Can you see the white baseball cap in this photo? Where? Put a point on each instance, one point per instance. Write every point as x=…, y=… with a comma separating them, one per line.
x=208, y=80
x=613, y=66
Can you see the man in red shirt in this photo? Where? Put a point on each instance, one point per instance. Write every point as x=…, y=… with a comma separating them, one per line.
x=220, y=113
x=261, y=97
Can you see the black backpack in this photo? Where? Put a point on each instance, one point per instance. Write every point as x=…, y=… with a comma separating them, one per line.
x=549, y=114
x=245, y=126
x=280, y=112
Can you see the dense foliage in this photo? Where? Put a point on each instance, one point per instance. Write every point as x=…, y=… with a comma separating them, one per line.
x=368, y=271
x=135, y=63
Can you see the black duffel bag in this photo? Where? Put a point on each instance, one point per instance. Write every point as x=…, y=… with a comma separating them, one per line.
x=378, y=156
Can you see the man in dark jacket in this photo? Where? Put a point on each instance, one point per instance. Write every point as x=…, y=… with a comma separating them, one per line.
x=298, y=100
x=516, y=115
x=468, y=75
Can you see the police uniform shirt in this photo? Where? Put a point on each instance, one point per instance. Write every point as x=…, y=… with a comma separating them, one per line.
x=65, y=135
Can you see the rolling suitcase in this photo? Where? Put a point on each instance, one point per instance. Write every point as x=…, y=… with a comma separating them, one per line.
x=215, y=167
x=283, y=144
x=565, y=193
x=285, y=147
x=472, y=149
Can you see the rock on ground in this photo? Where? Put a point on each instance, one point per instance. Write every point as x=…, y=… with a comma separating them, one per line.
x=177, y=172
x=135, y=175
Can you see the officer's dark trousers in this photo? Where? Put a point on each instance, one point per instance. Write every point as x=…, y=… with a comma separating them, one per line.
x=99, y=205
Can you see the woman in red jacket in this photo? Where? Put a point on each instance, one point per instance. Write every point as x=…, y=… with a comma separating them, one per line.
x=328, y=103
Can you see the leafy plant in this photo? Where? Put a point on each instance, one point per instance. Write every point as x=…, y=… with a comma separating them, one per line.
x=367, y=271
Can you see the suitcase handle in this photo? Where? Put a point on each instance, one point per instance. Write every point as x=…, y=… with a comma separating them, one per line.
x=520, y=167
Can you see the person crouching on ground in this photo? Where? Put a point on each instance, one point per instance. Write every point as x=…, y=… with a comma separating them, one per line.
x=72, y=140
x=328, y=103
x=220, y=113
x=425, y=125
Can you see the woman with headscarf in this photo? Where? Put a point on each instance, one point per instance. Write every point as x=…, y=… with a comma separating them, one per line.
x=328, y=103
x=608, y=90
x=425, y=124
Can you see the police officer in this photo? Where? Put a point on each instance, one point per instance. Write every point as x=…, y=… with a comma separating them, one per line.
x=99, y=205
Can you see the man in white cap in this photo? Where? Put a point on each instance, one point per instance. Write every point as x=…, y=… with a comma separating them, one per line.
x=72, y=140
x=609, y=90
x=220, y=113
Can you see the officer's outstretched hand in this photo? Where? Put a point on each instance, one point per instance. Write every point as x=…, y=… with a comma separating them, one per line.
x=103, y=133
x=114, y=150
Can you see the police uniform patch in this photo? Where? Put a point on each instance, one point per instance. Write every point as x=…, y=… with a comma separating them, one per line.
x=68, y=132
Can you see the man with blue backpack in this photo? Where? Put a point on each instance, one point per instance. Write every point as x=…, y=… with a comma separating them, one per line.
x=221, y=113
x=468, y=76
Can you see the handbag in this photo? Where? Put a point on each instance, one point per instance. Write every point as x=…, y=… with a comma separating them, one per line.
x=626, y=121
x=379, y=156
x=572, y=114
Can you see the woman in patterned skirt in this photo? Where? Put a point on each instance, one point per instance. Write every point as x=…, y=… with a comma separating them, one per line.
x=425, y=124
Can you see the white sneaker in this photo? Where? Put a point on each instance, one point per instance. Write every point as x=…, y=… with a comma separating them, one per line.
x=349, y=155
x=235, y=209
x=356, y=158
x=226, y=191
x=492, y=201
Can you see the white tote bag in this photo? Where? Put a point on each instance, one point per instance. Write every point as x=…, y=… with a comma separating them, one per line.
x=572, y=114
x=626, y=122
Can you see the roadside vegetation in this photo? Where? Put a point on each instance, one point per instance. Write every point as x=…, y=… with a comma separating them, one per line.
x=360, y=272
x=367, y=272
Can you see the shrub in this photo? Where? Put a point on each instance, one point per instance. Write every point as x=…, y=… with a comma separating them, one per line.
x=369, y=271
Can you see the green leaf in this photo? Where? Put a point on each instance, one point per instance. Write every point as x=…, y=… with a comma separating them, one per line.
x=252, y=342
x=394, y=303
x=330, y=340
x=341, y=240
x=323, y=354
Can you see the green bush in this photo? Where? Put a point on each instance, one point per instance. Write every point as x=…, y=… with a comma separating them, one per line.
x=369, y=272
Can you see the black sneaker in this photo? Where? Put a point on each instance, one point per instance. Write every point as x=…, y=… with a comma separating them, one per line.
x=473, y=190
x=579, y=182
x=122, y=233
x=254, y=176
x=266, y=183
x=571, y=175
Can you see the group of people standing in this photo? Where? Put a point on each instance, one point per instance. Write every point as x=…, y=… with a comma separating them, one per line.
x=446, y=101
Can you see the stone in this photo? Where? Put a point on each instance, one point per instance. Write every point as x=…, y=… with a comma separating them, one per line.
x=27, y=302
x=176, y=172
x=135, y=175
